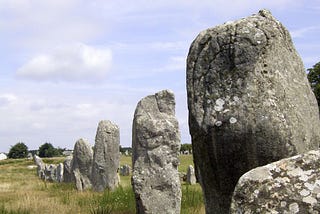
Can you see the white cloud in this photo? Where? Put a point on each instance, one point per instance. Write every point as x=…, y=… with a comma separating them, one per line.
x=37, y=25
x=146, y=37
x=69, y=63
x=35, y=117
x=6, y=99
x=299, y=33
x=175, y=63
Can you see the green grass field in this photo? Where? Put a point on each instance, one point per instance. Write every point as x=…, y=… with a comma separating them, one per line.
x=22, y=192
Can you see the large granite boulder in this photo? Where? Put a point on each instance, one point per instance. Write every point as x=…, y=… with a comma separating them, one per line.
x=82, y=164
x=156, y=145
x=290, y=185
x=249, y=103
x=106, y=158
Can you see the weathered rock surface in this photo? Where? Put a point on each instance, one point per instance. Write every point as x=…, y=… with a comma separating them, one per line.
x=125, y=170
x=156, y=145
x=59, y=172
x=290, y=185
x=106, y=159
x=249, y=103
x=191, y=177
x=68, y=176
x=50, y=172
x=82, y=164
x=40, y=166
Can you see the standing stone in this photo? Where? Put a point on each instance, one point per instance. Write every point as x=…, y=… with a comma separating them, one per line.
x=191, y=177
x=290, y=185
x=125, y=170
x=106, y=157
x=82, y=164
x=249, y=103
x=50, y=172
x=68, y=176
x=40, y=166
x=156, y=145
x=59, y=172
x=47, y=172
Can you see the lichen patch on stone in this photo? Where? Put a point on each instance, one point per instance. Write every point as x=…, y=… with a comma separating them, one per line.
x=232, y=120
x=287, y=186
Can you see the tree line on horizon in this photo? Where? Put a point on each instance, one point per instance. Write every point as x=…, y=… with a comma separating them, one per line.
x=314, y=80
x=47, y=150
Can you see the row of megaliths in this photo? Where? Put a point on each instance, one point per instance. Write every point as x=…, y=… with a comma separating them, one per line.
x=95, y=169
x=98, y=168
x=250, y=104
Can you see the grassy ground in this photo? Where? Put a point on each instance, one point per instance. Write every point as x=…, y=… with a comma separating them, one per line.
x=22, y=192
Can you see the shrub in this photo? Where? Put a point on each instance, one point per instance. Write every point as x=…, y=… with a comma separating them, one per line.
x=48, y=150
x=20, y=150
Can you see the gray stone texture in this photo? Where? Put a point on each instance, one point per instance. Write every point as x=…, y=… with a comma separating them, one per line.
x=106, y=159
x=156, y=145
x=82, y=164
x=68, y=176
x=290, y=185
x=50, y=172
x=40, y=166
x=191, y=177
x=125, y=170
x=249, y=103
x=59, y=172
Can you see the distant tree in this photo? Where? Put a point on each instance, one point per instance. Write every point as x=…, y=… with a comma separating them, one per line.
x=314, y=79
x=48, y=150
x=186, y=147
x=19, y=150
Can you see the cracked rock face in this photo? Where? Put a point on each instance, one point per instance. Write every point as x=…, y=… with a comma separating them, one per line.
x=290, y=185
x=249, y=103
x=156, y=145
x=82, y=164
x=106, y=158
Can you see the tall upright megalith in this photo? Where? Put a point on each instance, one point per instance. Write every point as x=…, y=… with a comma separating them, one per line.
x=106, y=157
x=249, y=103
x=68, y=176
x=156, y=145
x=82, y=164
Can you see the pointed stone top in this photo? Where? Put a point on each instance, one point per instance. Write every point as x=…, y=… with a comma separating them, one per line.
x=165, y=101
x=265, y=13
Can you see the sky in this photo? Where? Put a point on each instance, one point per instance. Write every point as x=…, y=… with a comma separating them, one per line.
x=68, y=64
